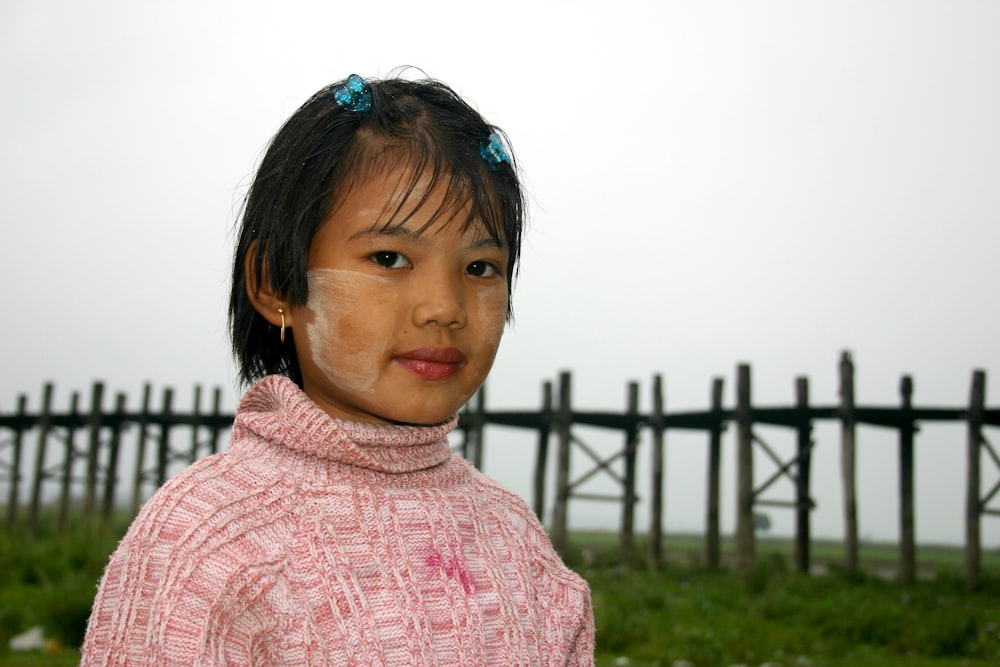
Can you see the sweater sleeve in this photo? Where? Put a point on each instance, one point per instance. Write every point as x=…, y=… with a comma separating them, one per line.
x=581, y=650
x=125, y=620
x=562, y=600
x=195, y=547
x=568, y=621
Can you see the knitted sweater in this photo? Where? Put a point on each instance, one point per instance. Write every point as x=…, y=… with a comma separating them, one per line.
x=315, y=541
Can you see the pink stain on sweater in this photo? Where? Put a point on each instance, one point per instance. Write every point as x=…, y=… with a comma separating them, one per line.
x=454, y=567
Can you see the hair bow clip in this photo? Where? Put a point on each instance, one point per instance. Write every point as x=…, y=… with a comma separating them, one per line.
x=353, y=95
x=493, y=152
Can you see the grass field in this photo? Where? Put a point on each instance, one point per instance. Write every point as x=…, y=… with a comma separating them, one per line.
x=679, y=615
x=685, y=615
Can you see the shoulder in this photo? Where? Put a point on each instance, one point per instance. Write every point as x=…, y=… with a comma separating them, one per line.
x=561, y=597
x=213, y=513
x=216, y=496
x=512, y=517
x=188, y=497
x=501, y=501
x=181, y=555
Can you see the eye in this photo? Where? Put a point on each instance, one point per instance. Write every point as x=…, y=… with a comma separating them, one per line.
x=388, y=259
x=483, y=269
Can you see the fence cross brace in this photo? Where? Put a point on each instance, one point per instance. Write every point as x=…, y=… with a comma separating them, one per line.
x=985, y=500
x=601, y=464
x=784, y=468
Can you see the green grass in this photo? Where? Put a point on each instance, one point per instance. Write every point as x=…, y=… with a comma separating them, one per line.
x=684, y=614
x=773, y=615
x=51, y=581
x=62, y=658
x=645, y=616
x=685, y=550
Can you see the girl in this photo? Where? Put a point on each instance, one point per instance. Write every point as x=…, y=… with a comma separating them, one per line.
x=371, y=286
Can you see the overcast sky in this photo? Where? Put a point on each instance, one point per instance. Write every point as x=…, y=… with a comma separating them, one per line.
x=712, y=183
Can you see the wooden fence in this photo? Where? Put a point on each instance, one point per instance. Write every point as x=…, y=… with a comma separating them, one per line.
x=89, y=441
x=90, y=444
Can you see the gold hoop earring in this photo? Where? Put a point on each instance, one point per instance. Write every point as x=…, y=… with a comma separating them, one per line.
x=281, y=335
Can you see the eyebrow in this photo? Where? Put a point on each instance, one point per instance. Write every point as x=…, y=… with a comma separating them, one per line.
x=399, y=231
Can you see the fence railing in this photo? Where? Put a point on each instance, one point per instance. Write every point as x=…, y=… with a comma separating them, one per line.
x=87, y=465
x=76, y=460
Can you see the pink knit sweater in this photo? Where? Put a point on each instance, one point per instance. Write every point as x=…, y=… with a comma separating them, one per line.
x=314, y=541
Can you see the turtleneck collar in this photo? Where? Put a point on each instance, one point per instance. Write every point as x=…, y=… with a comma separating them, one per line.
x=277, y=410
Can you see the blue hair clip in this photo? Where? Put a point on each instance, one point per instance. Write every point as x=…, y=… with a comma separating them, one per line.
x=353, y=95
x=494, y=152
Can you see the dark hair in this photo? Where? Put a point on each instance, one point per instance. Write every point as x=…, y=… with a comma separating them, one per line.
x=422, y=125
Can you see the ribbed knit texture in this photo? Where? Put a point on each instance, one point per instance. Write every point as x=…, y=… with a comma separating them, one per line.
x=315, y=541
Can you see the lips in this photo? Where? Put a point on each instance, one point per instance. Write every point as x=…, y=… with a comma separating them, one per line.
x=432, y=363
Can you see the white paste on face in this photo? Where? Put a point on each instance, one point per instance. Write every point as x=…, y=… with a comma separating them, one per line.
x=492, y=312
x=348, y=325
x=334, y=305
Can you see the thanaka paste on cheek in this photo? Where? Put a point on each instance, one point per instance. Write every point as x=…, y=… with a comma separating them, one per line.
x=492, y=314
x=491, y=319
x=333, y=302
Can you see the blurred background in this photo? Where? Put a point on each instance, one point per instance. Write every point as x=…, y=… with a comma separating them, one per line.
x=711, y=183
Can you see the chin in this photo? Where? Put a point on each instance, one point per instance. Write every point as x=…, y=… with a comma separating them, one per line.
x=421, y=421
x=421, y=416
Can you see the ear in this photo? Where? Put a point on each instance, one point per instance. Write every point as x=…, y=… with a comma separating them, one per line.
x=270, y=306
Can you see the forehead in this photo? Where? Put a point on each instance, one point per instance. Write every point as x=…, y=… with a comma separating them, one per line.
x=402, y=196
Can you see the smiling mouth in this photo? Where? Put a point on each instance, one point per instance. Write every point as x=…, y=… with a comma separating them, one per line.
x=432, y=363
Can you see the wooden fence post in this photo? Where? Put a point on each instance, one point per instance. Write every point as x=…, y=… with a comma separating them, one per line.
x=140, y=452
x=542, y=451
x=803, y=497
x=216, y=412
x=44, y=424
x=473, y=423
x=559, y=509
x=111, y=474
x=629, y=497
x=656, y=490
x=848, y=462
x=713, y=536
x=973, y=510
x=745, y=555
x=93, y=449
x=15, y=464
x=70, y=457
x=907, y=535
x=163, y=448
x=195, y=424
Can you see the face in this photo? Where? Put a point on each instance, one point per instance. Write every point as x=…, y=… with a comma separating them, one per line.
x=402, y=323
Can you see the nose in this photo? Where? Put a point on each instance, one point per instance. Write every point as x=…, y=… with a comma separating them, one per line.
x=438, y=300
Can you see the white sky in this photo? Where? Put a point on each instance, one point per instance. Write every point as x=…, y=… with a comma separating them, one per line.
x=712, y=183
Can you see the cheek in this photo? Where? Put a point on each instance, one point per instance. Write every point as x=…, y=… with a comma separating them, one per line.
x=339, y=342
x=492, y=314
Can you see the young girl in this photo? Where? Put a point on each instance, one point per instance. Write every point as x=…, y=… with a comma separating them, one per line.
x=371, y=286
